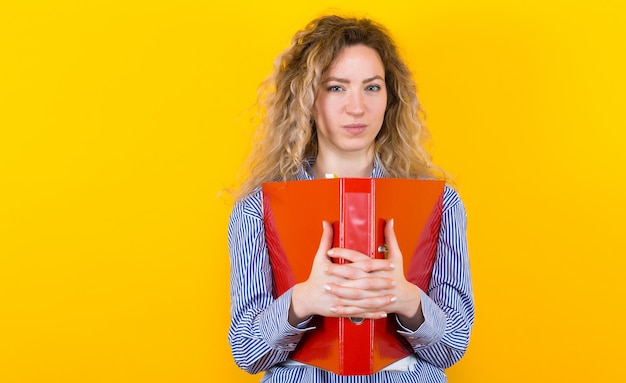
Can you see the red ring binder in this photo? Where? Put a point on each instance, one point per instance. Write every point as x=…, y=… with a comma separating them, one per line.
x=358, y=208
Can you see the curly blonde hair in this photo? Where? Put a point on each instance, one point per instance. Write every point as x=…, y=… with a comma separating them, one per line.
x=286, y=136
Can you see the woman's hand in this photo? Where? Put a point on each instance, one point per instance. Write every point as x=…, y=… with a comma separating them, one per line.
x=310, y=297
x=374, y=287
x=362, y=287
x=335, y=290
x=407, y=305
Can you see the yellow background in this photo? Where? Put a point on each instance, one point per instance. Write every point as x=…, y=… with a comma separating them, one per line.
x=120, y=121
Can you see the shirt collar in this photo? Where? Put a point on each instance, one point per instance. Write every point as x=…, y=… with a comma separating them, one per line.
x=306, y=172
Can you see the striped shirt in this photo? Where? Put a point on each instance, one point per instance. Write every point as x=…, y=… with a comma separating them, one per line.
x=262, y=339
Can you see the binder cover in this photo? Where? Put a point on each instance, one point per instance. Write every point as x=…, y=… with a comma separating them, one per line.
x=358, y=209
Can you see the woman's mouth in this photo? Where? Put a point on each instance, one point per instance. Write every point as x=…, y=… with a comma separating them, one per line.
x=355, y=128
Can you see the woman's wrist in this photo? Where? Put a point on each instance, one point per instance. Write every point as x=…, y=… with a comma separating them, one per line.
x=297, y=312
x=410, y=313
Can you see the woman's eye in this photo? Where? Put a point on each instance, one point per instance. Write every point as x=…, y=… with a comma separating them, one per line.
x=334, y=88
x=373, y=88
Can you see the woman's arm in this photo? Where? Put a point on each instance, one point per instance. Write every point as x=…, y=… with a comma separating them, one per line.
x=260, y=335
x=448, y=307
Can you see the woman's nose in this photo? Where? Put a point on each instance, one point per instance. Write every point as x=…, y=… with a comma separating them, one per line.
x=356, y=104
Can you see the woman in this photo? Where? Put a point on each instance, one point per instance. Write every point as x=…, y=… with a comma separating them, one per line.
x=341, y=101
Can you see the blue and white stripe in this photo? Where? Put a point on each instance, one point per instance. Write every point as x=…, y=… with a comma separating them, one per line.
x=261, y=337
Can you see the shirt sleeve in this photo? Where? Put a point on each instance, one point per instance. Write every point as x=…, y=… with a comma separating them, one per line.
x=260, y=334
x=448, y=307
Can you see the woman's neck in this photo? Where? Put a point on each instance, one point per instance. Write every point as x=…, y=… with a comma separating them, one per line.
x=343, y=166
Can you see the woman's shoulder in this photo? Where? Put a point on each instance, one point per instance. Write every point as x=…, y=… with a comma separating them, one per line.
x=452, y=199
x=450, y=195
x=250, y=204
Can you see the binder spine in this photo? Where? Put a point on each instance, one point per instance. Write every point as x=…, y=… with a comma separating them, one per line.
x=356, y=233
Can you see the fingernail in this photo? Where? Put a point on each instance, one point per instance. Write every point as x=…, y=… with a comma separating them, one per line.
x=392, y=222
x=333, y=309
x=393, y=299
x=327, y=287
x=393, y=283
x=383, y=315
x=330, y=252
x=392, y=266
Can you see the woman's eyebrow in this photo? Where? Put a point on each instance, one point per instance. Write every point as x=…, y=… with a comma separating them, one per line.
x=346, y=81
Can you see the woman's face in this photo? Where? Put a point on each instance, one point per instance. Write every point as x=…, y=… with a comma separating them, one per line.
x=351, y=101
